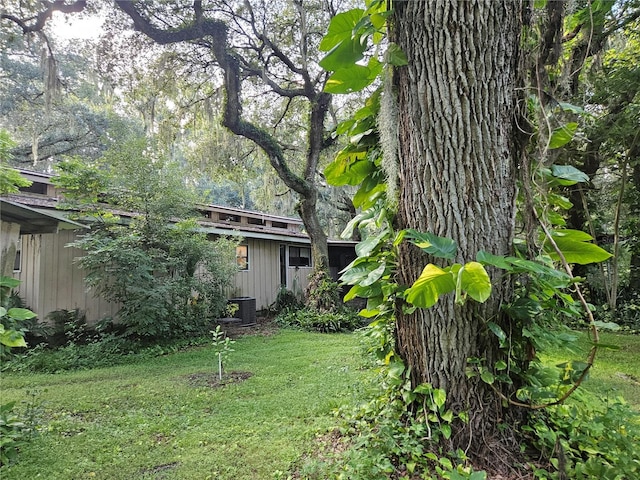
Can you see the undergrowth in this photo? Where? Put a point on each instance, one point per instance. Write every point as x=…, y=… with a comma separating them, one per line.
x=324, y=322
x=102, y=351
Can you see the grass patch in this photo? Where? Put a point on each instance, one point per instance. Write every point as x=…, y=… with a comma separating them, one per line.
x=153, y=420
x=615, y=372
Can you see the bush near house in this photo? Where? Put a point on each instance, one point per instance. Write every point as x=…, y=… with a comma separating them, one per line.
x=168, y=278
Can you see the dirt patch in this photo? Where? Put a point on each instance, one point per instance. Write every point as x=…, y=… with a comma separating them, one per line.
x=264, y=326
x=212, y=380
x=628, y=378
x=158, y=471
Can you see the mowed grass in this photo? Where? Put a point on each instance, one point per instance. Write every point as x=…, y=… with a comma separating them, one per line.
x=150, y=421
x=615, y=372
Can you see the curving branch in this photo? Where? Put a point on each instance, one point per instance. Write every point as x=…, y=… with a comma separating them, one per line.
x=37, y=23
x=230, y=64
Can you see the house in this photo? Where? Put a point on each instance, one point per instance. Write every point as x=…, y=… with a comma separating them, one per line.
x=274, y=252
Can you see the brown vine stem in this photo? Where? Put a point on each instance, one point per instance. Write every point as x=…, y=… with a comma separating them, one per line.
x=593, y=328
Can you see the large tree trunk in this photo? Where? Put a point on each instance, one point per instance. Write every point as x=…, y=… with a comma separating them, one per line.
x=457, y=103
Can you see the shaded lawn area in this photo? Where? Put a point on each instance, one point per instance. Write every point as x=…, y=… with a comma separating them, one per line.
x=154, y=420
x=615, y=372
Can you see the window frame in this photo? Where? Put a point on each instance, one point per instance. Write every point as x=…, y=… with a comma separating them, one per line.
x=299, y=256
x=242, y=260
x=17, y=261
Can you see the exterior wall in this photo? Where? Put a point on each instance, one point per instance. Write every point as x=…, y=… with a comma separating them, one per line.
x=51, y=281
x=298, y=278
x=262, y=279
x=9, y=238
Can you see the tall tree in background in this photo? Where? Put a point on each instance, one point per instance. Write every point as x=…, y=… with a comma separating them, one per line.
x=270, y=48
x=52, y=107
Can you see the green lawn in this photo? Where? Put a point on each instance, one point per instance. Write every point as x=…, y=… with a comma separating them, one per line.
x=149, y=420
x=615, y=372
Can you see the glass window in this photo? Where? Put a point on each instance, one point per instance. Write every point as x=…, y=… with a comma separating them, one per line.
x=242, y=257
x=299, y=256
x=17, y=264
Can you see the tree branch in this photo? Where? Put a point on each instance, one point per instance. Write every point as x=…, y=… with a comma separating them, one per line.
x=41, y=19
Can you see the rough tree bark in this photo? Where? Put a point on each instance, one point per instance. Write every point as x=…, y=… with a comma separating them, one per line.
x=457, y=101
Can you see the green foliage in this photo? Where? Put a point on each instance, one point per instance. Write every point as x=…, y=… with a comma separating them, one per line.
x=398, y=431
x=11, y=180
x=222, y=348
x=587, y=438
x=17, y=428
x=315, y=321
x=13, y=320
x=322, y=293
x=168, y=278
x=286, y=301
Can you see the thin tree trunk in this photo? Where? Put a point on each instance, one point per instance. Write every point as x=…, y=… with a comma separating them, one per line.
x=457, y=101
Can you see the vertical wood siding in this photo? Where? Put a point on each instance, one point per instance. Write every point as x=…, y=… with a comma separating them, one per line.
x=51, y=280
x=262, y=279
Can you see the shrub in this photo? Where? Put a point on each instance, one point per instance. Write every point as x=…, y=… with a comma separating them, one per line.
x=286, y=301
x=16, y=427
x=323, y=294
x=324, y=322
x=587, y=438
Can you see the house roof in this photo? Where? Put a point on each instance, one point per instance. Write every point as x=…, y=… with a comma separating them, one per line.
x=216, y=220
x=35, y=220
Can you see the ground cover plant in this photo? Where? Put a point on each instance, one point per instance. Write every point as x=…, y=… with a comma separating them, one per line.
x=159, y=419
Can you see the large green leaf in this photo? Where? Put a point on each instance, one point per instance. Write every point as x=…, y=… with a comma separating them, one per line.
x=358, y=273
x=368, y=193
x=21, y=314
x=569, y=234
x=343, y=55
x=348, y=168
x=570, y=173
x=437, y=246
x=351, y=79
x=562, y=135
x=369, y=291
x=368, y=245
x=432, y=283
x=575, y=248
x=340, y=28
x=475, y=281
x=9, y=282
x=373, y=276
x=494, y=260
x=11, y=338
x=395, y=56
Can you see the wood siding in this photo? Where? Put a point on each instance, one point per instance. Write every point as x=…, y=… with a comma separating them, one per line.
x=51, y=281
x=262, y=279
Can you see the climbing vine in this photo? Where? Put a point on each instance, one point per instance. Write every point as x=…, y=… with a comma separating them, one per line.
x=547, y=297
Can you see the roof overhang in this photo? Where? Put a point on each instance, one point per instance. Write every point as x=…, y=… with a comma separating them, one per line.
x=258, y=235
x=35, y=220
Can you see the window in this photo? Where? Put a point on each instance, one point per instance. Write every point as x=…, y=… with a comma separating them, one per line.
x=242, y=257
x=255, y=221
x=35, y=187
x=299, y=257
x=17, y=265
